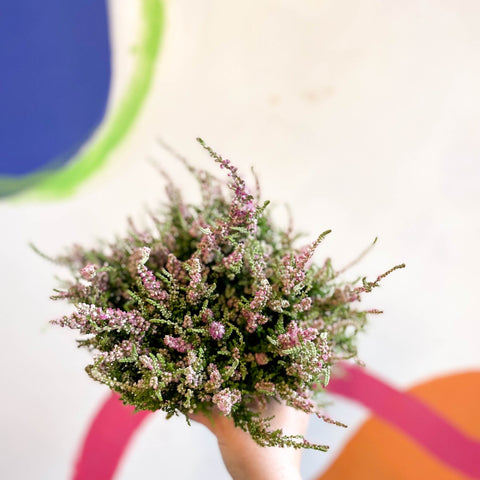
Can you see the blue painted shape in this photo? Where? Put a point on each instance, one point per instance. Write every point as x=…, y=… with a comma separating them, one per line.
x=54, y=80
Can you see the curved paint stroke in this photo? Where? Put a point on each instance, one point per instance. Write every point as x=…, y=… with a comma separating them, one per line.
x=377, y=449
x=107, y=439
x=412, y=417
x=63, y=182
x=55, y=81
x=404, y=411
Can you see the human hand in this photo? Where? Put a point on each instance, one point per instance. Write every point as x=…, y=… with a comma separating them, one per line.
x=245, y=459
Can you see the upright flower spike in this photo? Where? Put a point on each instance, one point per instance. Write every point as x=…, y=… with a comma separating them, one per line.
x=214, y=308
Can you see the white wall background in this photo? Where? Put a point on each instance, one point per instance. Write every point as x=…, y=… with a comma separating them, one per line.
x=363, y=116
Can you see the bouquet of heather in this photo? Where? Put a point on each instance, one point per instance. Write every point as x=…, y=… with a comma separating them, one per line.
x=213, y=308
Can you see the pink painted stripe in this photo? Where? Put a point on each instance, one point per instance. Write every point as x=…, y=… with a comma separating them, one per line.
x=411, y=416
x=106, y=440
x=114, y=425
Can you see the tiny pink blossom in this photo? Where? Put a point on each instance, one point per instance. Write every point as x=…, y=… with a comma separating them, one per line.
x=217, y=330
x=146, y=361
x=215, y=376
x=254, y=320
x=88, y=271
x=262, y=295
x=187, y=322
x=177, y=343
x=207, y=315
x=141, y=255
x=304, y=305
x=225, y=399
x=295, y=335
x=153, y=383
x=261, y=358
x=265, y=387
x=235, y=258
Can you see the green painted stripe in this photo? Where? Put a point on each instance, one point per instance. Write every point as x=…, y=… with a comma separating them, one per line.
x=56, y=184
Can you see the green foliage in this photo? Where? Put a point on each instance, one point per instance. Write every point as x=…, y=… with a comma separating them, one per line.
x=214, y=307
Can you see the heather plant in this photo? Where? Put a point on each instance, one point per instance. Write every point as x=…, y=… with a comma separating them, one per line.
x=214, y=307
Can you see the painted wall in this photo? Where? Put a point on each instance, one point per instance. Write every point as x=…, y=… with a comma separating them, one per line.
x=363, y=116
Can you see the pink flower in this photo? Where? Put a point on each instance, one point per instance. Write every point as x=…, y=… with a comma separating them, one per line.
x=261, y=358
x=265, y=387
x=88, y=271
x=262, y=295
x=253, y=320
x=234, y=260
x=146, y=361
x=294, y=336
x=304, y=305
x=217, y=330
x=177, y=343
x=151, y=284
x=225, y=399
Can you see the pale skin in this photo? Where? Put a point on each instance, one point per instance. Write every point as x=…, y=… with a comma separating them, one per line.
x=244, y=459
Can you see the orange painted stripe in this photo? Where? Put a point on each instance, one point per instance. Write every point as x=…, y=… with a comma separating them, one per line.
x=380, y=451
